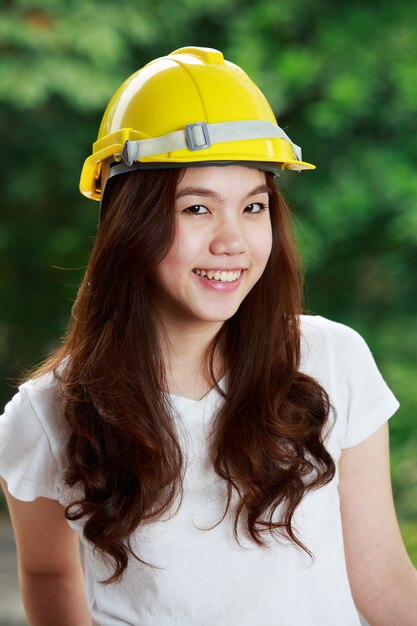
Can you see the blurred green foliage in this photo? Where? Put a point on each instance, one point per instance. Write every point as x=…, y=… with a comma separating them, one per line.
x=341, y=78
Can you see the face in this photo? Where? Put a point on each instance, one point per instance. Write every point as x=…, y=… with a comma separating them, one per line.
x=222, y=243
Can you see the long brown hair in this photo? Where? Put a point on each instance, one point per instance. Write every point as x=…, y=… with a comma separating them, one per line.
x=123, y=450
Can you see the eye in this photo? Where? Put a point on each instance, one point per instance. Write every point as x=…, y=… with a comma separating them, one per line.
x=256, y=207
x=196, y=209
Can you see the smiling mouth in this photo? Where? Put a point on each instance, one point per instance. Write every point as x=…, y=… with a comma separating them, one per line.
x=221, y=276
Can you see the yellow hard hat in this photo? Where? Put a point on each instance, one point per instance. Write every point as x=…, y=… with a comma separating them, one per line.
x=187, y=108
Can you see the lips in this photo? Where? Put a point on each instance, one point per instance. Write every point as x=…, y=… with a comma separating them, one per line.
x=224, y=276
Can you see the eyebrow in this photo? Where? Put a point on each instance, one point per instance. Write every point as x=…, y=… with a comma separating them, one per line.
x=209, y=193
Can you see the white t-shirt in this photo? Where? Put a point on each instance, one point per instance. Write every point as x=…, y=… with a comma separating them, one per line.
x=203, y=576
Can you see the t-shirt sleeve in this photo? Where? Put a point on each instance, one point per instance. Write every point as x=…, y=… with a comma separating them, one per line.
x=27, y=462
x=365, y=400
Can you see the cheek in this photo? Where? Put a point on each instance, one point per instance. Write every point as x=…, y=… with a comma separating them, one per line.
x=262, y=246
x=189, y=246
x=167, y=268
x=180, y=256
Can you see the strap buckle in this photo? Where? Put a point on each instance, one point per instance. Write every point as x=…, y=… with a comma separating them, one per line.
x=197, y=136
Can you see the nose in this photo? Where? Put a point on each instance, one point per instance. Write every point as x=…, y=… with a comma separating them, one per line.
x=228, y=237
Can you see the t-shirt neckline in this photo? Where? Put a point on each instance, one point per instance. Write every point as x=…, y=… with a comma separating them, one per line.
x=191, y=401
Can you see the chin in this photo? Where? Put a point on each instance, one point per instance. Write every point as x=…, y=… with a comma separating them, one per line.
x=217, y=317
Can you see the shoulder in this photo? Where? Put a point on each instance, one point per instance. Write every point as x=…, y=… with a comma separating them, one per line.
x=44, y=396
x=337, y=345
x=325, y=342
x=32, y=440
x=322, y=328
x=335, y=350
x=43, y=393
x=340, y=359
x=34, y=416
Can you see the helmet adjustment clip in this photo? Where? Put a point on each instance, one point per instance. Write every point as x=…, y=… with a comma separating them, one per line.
x=197, y=136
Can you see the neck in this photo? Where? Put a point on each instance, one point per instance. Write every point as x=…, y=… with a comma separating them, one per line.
x=186, y=362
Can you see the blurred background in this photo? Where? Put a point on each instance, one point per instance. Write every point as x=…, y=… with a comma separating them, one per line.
x=342, y=80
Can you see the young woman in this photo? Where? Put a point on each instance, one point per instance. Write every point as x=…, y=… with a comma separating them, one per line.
x=222, y=458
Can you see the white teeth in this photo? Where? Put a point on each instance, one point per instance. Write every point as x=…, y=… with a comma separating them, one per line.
x=224, y=277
